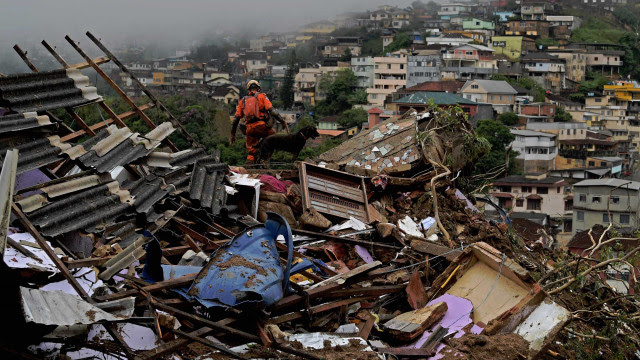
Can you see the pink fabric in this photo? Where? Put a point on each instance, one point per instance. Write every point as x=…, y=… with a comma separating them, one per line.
x=270, y=183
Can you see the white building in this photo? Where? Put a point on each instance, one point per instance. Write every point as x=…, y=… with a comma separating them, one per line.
x=537, y=150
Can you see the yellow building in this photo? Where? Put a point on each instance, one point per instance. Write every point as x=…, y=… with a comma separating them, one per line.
x=623, y=90
x=320, y=27
x=158, y=78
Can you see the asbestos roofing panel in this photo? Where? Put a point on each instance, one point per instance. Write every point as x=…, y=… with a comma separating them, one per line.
x=396, y=136
x=84, y=209
x=38, y=153
x=19, y=122
x=206, y=185
x=46, y=90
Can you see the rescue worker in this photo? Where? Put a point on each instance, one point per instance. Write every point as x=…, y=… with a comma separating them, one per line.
x=256, y=109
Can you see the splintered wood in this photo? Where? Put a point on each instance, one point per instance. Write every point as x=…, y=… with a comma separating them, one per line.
x=410, y=325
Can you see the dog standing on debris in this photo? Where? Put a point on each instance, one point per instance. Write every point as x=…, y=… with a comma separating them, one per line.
x=292, y=143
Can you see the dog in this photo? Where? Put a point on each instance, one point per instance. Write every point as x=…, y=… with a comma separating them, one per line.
x=292, y=143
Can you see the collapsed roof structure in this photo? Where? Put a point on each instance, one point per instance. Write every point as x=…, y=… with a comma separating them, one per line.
x=118, y=246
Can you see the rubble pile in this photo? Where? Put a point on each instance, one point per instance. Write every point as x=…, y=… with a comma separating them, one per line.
x=370, y=252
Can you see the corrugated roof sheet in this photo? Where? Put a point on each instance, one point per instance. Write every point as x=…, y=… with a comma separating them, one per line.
x=492, y=86
x=624, y=184
x=439, y=98
x=83, y=209
x=62, y=309
x=206, y=185
x=147, y=191
x=387, y=145
x=38, y=153
x=46, y=90
x=19, y=122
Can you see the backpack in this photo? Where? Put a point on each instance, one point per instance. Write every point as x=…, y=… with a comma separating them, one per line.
x=251, y=108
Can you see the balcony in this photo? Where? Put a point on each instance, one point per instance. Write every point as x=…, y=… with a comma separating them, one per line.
x=469, y=70
x=583, y=154
x=449, y=56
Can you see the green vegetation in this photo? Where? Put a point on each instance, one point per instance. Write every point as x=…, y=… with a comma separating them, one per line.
x=499, y=136
x=597, y=30
x=352, y=117
x=401, y=41
x=508, y=118
x=341, y=94
x=546, y=42
x=562, y=116
x=286, y=92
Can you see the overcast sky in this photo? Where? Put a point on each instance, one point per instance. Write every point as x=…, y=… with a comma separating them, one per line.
x=117, y=21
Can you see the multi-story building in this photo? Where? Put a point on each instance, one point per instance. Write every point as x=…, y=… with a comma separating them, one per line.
x=342, y=45
x=389, y=74
x=609, y=5
x=605, y=59
x=612, y=115
x=535, y=10
x=531, y=28
x=535, y=194
x=499, y=94
x=561, y=26
x=468, y=62
x=532, y=113
x=605, y=201
x=362, y=68
x=546, y=70
x=575, y=62
x=455, y=10
x=305, y=85
x=508, y=46
x=424, y=65
x=537, y=150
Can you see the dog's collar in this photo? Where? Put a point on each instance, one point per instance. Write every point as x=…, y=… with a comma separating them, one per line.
x=304, y=137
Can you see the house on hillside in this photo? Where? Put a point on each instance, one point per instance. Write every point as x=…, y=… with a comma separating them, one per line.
x=228, y=94
x=499, y=94
x=594, y=200
x=536, y=151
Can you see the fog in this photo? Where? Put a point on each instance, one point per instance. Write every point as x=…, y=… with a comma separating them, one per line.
x=167, y=24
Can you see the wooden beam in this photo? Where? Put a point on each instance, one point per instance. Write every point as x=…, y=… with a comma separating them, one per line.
x=160, y=285
x=105, y=123
x=23, y=56
x=144, y=89
x=80, y=121
x=120, y=92
x=83, y=65
x=55, y=54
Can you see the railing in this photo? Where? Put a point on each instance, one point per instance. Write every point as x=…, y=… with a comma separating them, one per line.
x=583, y=154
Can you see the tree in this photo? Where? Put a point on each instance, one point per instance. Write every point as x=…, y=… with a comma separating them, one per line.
x=499, y=136
x=562, y=116
x=401, y=41
x=508, y=118
x=286, y=92
x=352, y=117
x=339, y=92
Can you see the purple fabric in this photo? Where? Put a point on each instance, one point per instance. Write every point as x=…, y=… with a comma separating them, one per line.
x=456, y=318
x=272, y=184
x=364, y=254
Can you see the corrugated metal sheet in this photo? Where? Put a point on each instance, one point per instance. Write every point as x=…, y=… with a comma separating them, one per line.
x=19, y=122
x=206, y=185
x=46, y=90
x=62, y=309
x=38, y=153
x=7, y=183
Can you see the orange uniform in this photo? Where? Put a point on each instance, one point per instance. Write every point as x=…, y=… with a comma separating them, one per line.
x=256, y=127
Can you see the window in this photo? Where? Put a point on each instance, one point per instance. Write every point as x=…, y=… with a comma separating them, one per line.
x=542, y=190
x=505, y=188
x=568, y=205
x=526, y=189
x=580, y=215
x=388, y=66
x=615, y=199
x=519, y=202
x=596, y=199
x=474, y=86
x=624, y=218
x=592, y=163
x=534, y=204
x=605, y=218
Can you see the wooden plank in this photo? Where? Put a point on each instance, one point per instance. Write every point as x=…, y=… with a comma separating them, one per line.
x=342, y=278
x=55, y=54
x=427, y=247
x=144, y=89
x=118, y=90
x=317, y=309
x=365, y=331
x=23, y=56
x=228, y=330
x=105, y=123
x=410, y=325
x=160, y=285
x=83, y=65
x=80, y=122
x=52, y=255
